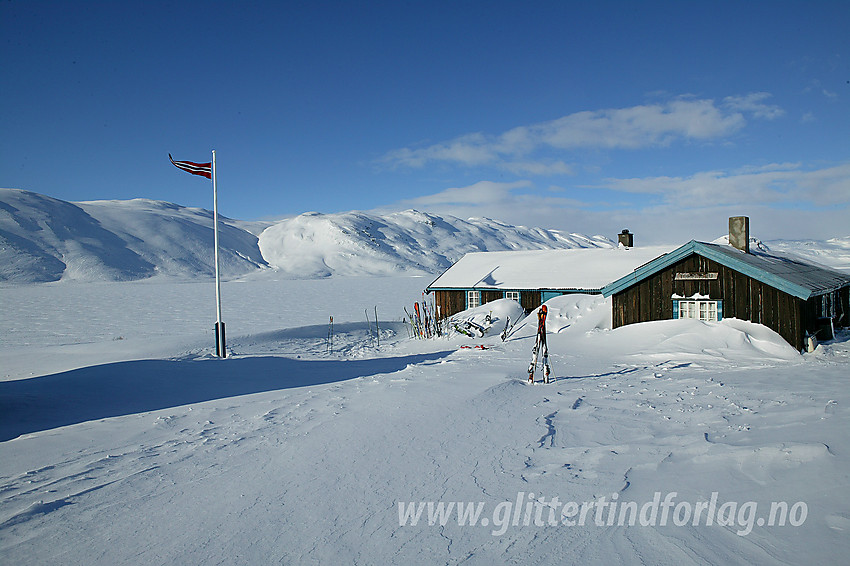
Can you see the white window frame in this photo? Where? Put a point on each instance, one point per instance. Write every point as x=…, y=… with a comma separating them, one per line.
x=473, y=299
x=512, y=295
x=701, y=310
x=827, y=305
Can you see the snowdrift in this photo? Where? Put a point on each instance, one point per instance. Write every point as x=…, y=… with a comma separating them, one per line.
x=581, y=322
x=135, y=450
x=496, y=318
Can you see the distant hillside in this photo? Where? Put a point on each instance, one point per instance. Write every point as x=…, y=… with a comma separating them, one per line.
x=357, y=243
x=45, y=239
x=834, y=253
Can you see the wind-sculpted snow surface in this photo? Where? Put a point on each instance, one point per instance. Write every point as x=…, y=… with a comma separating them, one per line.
x=124, y=441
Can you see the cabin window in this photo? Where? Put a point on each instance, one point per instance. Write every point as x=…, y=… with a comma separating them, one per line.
x=827, y=305
x=701, y=310
x=473, y=299
x=512, y=295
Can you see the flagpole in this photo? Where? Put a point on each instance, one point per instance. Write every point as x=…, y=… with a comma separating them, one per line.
x=219, y=325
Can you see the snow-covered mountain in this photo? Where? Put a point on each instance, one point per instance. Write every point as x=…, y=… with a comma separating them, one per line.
x=46, y=239
x=357, y=243
x=834, y=253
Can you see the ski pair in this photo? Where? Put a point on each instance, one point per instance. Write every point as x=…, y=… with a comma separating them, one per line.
x=540, y=347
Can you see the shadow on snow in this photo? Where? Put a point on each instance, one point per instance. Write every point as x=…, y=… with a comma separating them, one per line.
x=126, y=388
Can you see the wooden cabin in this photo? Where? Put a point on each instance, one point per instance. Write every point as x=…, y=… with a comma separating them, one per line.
x=532, y=277
x=715, y=281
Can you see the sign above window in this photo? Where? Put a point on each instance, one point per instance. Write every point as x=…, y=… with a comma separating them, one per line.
x=696, y=276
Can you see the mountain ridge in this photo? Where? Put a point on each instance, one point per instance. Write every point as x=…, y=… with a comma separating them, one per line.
x=44, y=239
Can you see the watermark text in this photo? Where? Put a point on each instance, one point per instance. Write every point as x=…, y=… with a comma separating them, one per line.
x=663, y=510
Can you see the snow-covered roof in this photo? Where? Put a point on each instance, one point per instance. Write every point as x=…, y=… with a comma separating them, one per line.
x=789, y=274
x=582, y=269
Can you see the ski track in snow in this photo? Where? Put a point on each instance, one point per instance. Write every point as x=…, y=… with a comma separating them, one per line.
x=305, y=454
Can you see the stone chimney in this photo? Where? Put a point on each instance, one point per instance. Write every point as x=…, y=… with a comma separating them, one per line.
x=627, y=239
x=739, y=233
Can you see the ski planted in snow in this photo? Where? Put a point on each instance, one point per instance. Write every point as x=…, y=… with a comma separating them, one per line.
x=419, y=328
x=540, y=347
x=508, y=328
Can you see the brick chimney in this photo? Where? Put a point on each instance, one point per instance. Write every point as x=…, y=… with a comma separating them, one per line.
x=739, y=233
x=627, y=239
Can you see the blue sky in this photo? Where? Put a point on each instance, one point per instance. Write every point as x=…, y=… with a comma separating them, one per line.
x=661, y=117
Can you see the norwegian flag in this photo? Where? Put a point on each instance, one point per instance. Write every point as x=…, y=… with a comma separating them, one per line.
x=203, y=169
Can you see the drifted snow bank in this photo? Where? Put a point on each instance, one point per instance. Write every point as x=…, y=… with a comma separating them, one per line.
x=580, y=322
x=489, y=319
x=730, y=339
x=288, y=453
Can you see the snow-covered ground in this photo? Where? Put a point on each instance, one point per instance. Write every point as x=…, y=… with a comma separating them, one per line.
x=123, y=441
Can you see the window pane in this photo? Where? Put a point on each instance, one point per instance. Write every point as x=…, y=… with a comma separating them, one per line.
x=702, y=310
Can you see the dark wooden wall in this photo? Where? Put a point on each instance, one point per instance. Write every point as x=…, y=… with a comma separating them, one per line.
x=489, y=296
x=742, y=296
x=530, y=300
x=453, y=302
x=450, y=302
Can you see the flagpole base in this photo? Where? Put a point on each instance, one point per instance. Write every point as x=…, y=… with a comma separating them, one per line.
x=220, y=343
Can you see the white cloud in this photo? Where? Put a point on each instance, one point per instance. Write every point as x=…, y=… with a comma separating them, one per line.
x=639, y=126
x=677, y=225
x=481, y=192
x=816, y=85
x=754, y=104
x=777, y=183
x=470, y=150
x=519, y=201
x=636, y=127
x=538, y=167
x=782, y=199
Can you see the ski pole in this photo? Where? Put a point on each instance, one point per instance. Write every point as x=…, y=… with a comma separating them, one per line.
x=368, y=324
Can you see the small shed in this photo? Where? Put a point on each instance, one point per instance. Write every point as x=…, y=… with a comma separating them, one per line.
x=532, y=277
x=712, y=281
